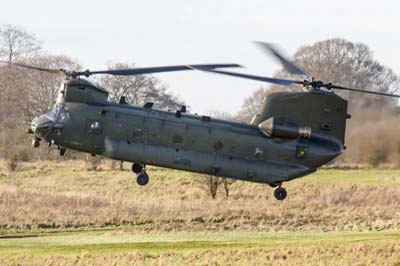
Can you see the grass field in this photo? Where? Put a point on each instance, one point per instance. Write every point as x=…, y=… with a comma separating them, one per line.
x=58, y=213
x=115, y=247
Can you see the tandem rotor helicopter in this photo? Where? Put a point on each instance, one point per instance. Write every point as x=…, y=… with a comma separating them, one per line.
x=295, y=133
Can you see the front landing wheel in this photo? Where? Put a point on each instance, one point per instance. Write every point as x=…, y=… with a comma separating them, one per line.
x=137, y=168
x=142, y=178
x=280, y=193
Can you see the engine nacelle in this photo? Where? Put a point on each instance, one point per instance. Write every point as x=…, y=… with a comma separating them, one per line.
x=273, y=128
x=81, y=91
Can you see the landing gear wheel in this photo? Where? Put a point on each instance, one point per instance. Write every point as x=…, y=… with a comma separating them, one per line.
x=36, y=142
x=142, y=178
x=280, y=193
x=137, y=168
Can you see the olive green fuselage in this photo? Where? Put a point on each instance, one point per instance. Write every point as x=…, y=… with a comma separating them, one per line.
x=189, y=142
x=294, y=134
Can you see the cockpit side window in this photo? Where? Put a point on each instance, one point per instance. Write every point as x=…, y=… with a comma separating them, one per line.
x=52, y=113
x=63, y=115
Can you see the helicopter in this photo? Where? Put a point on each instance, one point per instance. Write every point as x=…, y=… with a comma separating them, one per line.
x=295, y=133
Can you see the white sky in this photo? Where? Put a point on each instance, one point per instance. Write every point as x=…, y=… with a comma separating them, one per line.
x=153, y=33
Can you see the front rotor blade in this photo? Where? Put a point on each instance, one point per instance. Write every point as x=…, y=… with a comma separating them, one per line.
x=48, y=70
x=289, y=66
x=150, y=70
x=285, y=82
x=364, y=91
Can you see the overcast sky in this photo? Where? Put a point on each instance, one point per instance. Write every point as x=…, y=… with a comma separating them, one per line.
x=152, y=33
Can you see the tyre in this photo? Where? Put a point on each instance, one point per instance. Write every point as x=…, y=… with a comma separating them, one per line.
x=137, y=168
x=280, y=193
x=142, y=179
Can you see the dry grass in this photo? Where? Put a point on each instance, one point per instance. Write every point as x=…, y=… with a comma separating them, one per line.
x=65, y=195
x=54, y=196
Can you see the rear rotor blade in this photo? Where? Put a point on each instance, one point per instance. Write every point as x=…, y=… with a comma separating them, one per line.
x=364, y=91
x=48, y=70
x=150, y=70
x=287, y=64
x=285, y=82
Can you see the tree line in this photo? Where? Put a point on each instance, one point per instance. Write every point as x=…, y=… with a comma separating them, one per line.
x=27, y=93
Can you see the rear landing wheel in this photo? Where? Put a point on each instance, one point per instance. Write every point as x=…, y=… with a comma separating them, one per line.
x=142, y=178
x=280, y=193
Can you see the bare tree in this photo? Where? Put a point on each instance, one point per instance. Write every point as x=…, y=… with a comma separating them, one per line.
x=28, y=93
x=210, y=183
x=93, y=162
x=11, y=82
x=221, y=115
x=41, y=87
x=227, y=182
x=253, y=104
x=341, y=62
x=17, y=44
x=349, y=64
x=138, y=89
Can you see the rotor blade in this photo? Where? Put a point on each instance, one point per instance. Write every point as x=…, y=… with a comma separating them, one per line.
x=285, y=82
x=149, y=70
x=287, y=64
x=48, y=70
x=364, y=91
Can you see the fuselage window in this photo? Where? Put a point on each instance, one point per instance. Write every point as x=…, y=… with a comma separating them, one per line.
x=95, y=127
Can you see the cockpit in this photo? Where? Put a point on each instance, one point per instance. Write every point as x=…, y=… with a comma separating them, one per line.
x=59, y=113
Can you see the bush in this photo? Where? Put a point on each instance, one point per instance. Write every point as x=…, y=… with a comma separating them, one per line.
x=12, y=162
x=93, y=162
x=15, y=147
x=211, y=183
x=377, y=154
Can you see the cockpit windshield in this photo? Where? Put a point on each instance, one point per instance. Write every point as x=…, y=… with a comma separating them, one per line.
x=52, y=113
x=58, y=113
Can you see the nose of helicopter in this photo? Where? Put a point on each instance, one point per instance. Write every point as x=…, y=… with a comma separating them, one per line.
x=40, y=126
